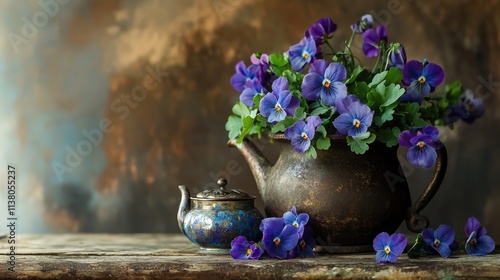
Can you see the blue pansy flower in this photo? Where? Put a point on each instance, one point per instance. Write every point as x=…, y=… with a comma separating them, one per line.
x=365, y=23
x=242, y=249
x=373, y=40
x=243, y=75
x=278, y=238
x=297, y=220
x=344, y=103
x=279, y=103
x=398, y=57
x=355, y=121
x=422, y=146
x=440, y=240
x=306, y=244
x=422, y=78
x=252, y=88
x=468, y=109
x=301, y=133
x=325, y=81
x=302, y=53
x=389, y=247
x=478, y=243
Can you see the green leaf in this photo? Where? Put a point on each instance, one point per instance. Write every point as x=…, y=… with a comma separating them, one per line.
x=299, y=113
x=279, y=127
x=233, y=126
x=256, y=100
x=311, y=152
x=416, y=250
x=392, y=94
x=360, y=146
x=374, y=98
x=290, y=76
x=361, y=89
x=320, y=110
x=323, y=143
x=377, y=79
x=387, y=114
x=389, y=136
x=321, y=129
x=394, y=76
x=354, y=75
x=247, y=127
x=277, y=59
x=240, y=109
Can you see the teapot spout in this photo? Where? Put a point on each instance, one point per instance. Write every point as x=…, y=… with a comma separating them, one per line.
x=184, y=207
x=258, y=163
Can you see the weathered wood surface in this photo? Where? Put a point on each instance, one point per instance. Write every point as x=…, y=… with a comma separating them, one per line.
x=157, y=256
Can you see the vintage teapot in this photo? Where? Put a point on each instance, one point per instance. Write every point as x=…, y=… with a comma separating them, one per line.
x=215, y=217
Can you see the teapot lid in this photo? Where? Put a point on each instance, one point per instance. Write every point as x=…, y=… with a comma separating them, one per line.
x=222, y=193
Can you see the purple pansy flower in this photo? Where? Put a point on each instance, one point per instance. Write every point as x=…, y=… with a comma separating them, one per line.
x=356, y=120
x=321, y=29
x=422, y=78
x=468, y=109
x=440, y=240
x=278, y=238
x=298, y=221
x=243, y=75
x=344, y=103
x=389, y=247
x=423, y=145
x=373, y=40
x=253, y=87
x=306, y=243
x=478, y=243
x=362, y=25
x=242, y=249
x=325, y=82
x=398, y=57
x=262, y=73
x=302, y=53
x=279, y=103
x=301, y=133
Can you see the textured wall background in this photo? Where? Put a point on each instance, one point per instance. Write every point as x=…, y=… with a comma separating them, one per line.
x=107, y=106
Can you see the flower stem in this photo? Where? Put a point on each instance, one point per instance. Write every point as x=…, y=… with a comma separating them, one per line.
x=376, y=63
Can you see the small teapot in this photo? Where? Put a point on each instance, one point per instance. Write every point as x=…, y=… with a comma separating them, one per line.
x=215, y=217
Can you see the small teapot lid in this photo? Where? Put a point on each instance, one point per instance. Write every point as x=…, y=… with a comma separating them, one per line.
x=223, y=194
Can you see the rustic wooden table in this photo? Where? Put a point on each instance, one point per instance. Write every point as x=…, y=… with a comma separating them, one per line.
x=171, y=256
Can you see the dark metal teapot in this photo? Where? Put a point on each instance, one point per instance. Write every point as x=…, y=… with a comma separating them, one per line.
x=215, y=217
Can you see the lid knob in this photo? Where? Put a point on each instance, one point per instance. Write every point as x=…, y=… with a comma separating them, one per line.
x=222, y=182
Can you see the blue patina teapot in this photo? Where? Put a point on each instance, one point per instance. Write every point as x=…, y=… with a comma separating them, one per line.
x=214, y=217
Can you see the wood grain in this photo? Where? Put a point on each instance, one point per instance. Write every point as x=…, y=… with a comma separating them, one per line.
x=169, y=256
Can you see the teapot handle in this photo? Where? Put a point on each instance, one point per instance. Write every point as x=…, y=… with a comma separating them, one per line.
x=414, y=221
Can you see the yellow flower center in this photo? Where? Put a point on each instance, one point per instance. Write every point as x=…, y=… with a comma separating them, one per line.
x=420, y=144
x=278, y=107
x=473, y=242
x=387, y=250
x=356, y=123
x=295, y=224
x=277, y=241
x=421, y=80
x=305, y=55
x=326, y=83
x=249, y=251
x=305, y=137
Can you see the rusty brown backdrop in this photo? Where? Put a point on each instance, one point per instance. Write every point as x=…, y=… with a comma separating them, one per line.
x=108, y=105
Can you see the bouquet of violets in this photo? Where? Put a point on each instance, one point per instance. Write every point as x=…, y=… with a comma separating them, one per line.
x=313, y=91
